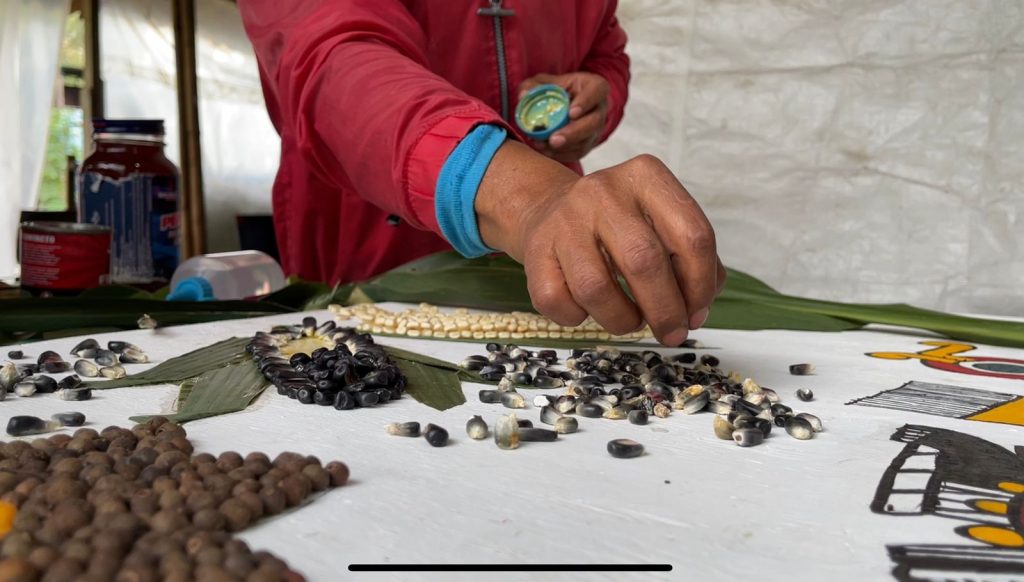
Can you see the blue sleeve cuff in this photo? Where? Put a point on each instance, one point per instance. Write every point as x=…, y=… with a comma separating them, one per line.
x=456, y=188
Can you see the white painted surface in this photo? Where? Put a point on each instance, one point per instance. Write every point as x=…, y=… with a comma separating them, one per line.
x=786, y=510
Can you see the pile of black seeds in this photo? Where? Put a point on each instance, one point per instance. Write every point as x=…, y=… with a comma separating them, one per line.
x=138, y=505
x=356, y=372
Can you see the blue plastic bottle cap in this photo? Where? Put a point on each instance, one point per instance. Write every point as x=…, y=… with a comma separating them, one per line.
x=543, y=111
x=192, y=289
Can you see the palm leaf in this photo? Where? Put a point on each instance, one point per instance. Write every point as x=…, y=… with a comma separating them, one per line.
x=226, y=389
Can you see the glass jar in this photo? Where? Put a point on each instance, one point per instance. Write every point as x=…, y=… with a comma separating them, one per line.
x=128, y=184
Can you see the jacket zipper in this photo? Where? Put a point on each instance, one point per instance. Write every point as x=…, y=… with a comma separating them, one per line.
x=496, y=11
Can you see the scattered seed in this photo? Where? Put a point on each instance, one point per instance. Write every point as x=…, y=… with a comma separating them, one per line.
x=748, y=437
x=69, y=418
x=542, y=400
x=805, y=394
x=638, y=416
x=566, y=425
x=476, y=428
x=15, y=354
x=113, y=372
x=506, y=432
x=25, y=388
x=406, y=429
x=86, y=344
x=525, y=423
x=490, y=396
x=801, y=369
x=146, y=322
x=549, y=415
x=709, y=360
x=814, y=421
x=625, y=448
x=75, y=394
x=130, y=356
x=799, y=428
x=723, y=428
x=435, y=435
x=512, y=400
x=537, y=435
x=29, y=425
x=86, y=369
x=44, y=384
x=55, y=367
x=119, y=346
x=616, y=413
x=662, y=410
x=589, y=410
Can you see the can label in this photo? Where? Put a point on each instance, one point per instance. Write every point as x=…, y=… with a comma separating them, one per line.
x=142, y=211
x=54, y=260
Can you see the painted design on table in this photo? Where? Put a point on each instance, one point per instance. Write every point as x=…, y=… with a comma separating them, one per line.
x=953, y=475
x=947, y=356
x=950, y=401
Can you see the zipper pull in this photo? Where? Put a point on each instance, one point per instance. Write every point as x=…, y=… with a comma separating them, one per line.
x=495, y=10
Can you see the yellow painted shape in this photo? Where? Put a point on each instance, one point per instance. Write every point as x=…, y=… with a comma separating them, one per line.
x=942, y=352
x=990, y=506
x=1009, y=413
x=7, y=513
x=305, y=345
x=1012, y=487
x=996, y=536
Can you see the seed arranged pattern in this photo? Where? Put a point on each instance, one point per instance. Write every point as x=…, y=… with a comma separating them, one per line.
x=429, y=321
x=344, y=369
x=138, y=504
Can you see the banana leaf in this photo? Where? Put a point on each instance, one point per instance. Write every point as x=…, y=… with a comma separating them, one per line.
x=181, y=368
x=226, y=389
x=499, y=283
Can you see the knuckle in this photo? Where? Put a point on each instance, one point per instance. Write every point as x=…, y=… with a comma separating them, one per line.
x=593, y=289
x=701, y=239
x=547, y=299
x=642, y=258
x=647, y=162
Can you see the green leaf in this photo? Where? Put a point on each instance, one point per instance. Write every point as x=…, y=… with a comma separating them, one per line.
x=223, y=390
x=438, y=388
x=181, y=368
x=499, y=283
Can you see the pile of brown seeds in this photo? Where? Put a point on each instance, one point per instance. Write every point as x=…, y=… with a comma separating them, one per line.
x=137, y=504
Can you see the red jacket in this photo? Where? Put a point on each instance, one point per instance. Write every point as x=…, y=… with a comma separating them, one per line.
x=370, y=97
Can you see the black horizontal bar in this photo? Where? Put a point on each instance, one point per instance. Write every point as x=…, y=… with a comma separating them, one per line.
x=510, y=567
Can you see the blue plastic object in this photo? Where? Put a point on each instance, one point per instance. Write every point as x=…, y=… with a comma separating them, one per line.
x=543, y=111
x=192, y=289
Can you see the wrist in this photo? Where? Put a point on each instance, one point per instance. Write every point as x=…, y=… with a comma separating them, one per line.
x=518, y=183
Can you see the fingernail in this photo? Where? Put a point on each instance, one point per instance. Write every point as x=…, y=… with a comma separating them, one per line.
x=698, y=319
x=676, y=338
x=557, y=141
x=575, y=112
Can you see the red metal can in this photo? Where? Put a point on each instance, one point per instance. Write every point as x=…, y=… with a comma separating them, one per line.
x=62, y=257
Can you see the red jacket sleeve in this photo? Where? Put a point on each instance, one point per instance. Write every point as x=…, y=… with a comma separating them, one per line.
x=607, y=57
x=348, y=79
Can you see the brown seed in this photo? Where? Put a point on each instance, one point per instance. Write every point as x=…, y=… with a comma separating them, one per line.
x=97, y=458
x=318, y=476
x=18, y=570
x=229, y=460
x=339, y=473
x=240, y=474
x=111, y=542
x=10, y=465
x=212, y=573
x=220, y=485
x=144, y=503
x=210, y=555
x=290, y=462
x=42, y=556
x=71, y=465
x=265, y=574
x=67, y=517
x=199, y=501
x=274, y=500
x=161, y=484
x=85, y=433
x=44, y=445
x=64, y=487
x=62, y=570
x=136, y=573
x=296, y=488
x=253, y=502
x=27, y=485
x=168, y=520
x=239, y=565
x=93, y=473
x=78, y=550
x=209, y=519
x=182, y=444
x=156, y=422
x=236, y=513
x=8, y=481
x=169, y=431
x=103, y=565
x=203, y=458
x=247, y=485
x=14, y=498
x=151, y=474
x=171, y=458
x=171, y=500
x=80, y=445
x=273, y=477
x=17, y=544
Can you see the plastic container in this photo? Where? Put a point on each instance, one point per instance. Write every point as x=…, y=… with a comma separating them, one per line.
x=223, y=276
x=129, y=185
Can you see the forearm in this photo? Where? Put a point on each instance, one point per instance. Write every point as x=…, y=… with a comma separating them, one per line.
x=517, y=182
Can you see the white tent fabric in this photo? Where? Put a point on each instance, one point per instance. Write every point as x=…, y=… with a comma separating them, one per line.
x=239, y=145
x=30, y=33
x=853, y=150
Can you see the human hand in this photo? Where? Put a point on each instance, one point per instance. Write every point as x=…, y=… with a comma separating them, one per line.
x=587, y=113
x=576, y=235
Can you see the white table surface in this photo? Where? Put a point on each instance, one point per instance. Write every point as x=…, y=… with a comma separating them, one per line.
x=785, y=510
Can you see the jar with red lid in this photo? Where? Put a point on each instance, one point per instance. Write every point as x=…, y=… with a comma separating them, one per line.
x=128, y=184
